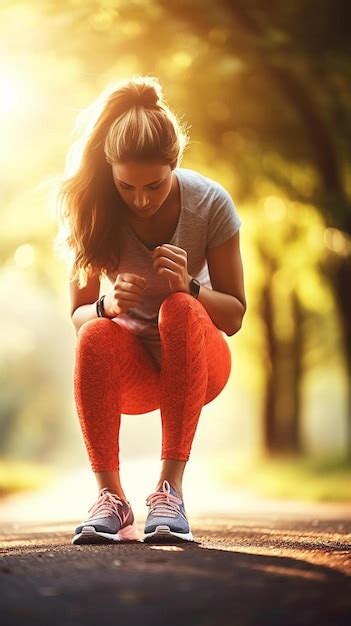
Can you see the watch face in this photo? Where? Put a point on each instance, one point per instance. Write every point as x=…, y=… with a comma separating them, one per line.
x=194, y=287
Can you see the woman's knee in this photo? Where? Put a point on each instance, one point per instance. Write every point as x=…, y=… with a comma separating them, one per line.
x=97, y=331
x=175, y=305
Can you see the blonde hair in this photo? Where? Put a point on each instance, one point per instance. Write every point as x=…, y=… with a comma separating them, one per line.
x=129, y=122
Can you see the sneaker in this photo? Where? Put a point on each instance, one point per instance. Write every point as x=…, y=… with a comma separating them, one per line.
x=111, y=521
x=166, y=518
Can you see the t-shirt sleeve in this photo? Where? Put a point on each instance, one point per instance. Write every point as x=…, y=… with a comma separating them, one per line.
x=224, y=220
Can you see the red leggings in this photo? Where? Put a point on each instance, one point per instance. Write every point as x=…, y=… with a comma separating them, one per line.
x=114, y=374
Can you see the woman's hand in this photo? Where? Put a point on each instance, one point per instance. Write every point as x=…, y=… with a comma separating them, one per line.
x=127, y=290
x=171, y=262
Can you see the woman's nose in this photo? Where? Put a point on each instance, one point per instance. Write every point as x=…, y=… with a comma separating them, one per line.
x=141, y=200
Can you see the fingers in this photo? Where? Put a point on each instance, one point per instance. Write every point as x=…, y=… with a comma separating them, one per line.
x=128, y=288
x=131, y=282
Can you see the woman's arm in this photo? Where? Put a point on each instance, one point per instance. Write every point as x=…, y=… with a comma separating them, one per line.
x=226, y=311
x=226, y=302
x=83, y=302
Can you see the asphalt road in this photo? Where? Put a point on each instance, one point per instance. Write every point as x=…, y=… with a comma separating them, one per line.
x=245, y=570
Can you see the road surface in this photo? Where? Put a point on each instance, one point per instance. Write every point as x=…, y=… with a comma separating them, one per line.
x=266, y=567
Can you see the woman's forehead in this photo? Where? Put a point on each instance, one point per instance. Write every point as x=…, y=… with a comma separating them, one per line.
x=140, y=172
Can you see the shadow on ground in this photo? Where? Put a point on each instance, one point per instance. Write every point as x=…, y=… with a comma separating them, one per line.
x=239, y=572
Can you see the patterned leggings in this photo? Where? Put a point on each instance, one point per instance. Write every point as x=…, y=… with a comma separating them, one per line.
x=114, y=374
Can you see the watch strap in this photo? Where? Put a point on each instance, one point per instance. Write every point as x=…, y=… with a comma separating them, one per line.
x=194, y=287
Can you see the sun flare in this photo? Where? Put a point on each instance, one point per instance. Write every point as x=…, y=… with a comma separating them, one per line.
x=10, y=93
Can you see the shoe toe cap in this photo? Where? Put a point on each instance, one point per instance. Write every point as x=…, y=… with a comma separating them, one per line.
x=104, y=524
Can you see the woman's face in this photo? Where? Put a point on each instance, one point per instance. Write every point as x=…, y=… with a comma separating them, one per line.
x=144, y=187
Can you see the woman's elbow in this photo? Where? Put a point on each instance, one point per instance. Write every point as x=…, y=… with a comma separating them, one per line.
x=236, y=327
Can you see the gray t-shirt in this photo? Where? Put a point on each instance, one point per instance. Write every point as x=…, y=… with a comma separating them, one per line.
x=208, y=217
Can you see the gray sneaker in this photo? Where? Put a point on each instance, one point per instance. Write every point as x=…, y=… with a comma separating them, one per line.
x=166, y=519
x=111, y=521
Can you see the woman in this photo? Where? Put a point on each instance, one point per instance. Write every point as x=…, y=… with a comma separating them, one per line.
x=167, y=238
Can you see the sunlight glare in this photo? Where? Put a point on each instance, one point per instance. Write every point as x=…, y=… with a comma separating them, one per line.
x=337, y=241
x=24, y=255
x=11, y=95
x=274, y=208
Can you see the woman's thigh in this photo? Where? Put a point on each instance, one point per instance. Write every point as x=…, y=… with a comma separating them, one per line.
x=141, y=376
x=131, y=367
x=175, y=309
x=219, y=360
x=218, y=354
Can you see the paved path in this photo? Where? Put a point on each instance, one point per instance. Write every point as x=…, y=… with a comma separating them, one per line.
x=255, y=562
x=243, y=570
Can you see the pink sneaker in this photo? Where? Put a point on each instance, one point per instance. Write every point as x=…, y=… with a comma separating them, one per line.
x=111, y=521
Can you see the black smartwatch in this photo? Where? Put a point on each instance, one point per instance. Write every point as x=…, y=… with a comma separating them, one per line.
x=194, y=287
x=100, y=310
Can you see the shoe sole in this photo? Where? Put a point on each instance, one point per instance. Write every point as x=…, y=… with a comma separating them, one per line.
x=164, y=533
x=89, y=534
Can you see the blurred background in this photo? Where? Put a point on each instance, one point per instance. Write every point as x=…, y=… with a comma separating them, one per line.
x=265, y=89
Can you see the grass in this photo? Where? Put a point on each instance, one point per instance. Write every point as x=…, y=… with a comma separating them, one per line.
x=17, y=476
x=324, y=479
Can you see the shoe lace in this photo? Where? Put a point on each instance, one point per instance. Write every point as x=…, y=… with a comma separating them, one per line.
x=163, y=502
x=106, y=503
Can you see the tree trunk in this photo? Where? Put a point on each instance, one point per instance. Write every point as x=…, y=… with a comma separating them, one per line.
x=283, y=369
x=270, y=419
x=296, y=375
x=342, y=282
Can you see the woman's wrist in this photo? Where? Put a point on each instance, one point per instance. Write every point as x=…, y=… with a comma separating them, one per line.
x=100, y=309
x=103, y=307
